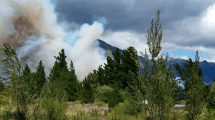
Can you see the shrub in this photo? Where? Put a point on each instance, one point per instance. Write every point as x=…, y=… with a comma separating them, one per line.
x=102, y=93
x=54, y=90
x=8, y=114
x=4, y=100
x=114, y=98
x=132, y=107
x=101, y=104
x=209, y=114
x=76, y=102
x=50, y=109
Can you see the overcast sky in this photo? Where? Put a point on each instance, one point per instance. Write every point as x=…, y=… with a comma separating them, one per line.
x=187, y=25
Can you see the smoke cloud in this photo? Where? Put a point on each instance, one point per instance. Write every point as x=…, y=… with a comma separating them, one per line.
x=31, y=28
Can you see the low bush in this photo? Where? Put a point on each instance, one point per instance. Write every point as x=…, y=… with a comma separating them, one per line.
x=49, y=109
x=76, y=102
x=101, y=104
x=209, y=114
x=7, y=114
x=132, y=107
x=102, y=93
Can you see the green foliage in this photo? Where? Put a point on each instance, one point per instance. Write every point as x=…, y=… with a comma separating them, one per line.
x=62, y=61
x=71, y=83
x=159, y=90
x=55, y=72
x=157, y=86
x=132, y=107
x=117, y=68
x=29, y=83
x=40, y=77
x=114, y=98
x=185, y=73
x=209, y=114
x=178, y=115
x=87, y=91
x=130, y=62
x=194, y=87
x=49, y=109
x=101, y=104
x=54, y=90
x=134, y=96
x=89, y=86
x=7, y=114
x=4, y=100
x=65, y=76
x=178, y=93
x=19, y=93
x=2, y=86
x=211, y=97
x=102, y=93
x=154, y=36
x=102, y=79
x=10, y=63
x=76, y=102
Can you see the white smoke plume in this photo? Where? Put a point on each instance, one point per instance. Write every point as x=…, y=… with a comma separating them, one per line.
x=31, y=27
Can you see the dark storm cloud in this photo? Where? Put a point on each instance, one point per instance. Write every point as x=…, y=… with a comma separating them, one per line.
x=134, y=15
x=185, y=23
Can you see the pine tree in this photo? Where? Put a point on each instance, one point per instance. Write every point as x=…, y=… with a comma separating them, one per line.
x=26, y=76
x=116, y=73
x=59, y=67
x=28, y=82
x=40, y=78
x=87, y=91
x=55, y=72
x=55, y=90
x=65, y=76
x=61, y=59
x=102, y=79
x=56, y=85
x=194, y=87
x=130, y=62
x=117, y=58
x=72, y=84
x=108, y=74
x=186, y=72
x=117, y=68
x=178, y=94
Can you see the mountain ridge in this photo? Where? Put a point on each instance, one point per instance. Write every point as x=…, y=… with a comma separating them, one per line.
x=208, y=68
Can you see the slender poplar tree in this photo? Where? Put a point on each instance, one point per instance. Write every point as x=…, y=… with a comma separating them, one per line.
x=157, y=85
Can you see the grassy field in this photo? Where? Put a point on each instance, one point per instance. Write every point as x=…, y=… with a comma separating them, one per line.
x=80, y=111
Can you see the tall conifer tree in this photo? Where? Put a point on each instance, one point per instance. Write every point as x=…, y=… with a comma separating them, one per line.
x=40, y=78
x=72, y=86
x=61, y=59
x=87, y=90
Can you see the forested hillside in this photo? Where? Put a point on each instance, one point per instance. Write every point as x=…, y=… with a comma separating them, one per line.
x=208, y=68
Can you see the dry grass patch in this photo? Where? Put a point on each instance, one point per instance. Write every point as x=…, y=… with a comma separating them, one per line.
x=87, y=110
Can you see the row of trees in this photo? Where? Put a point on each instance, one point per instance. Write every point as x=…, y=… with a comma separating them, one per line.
x=119, y=80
